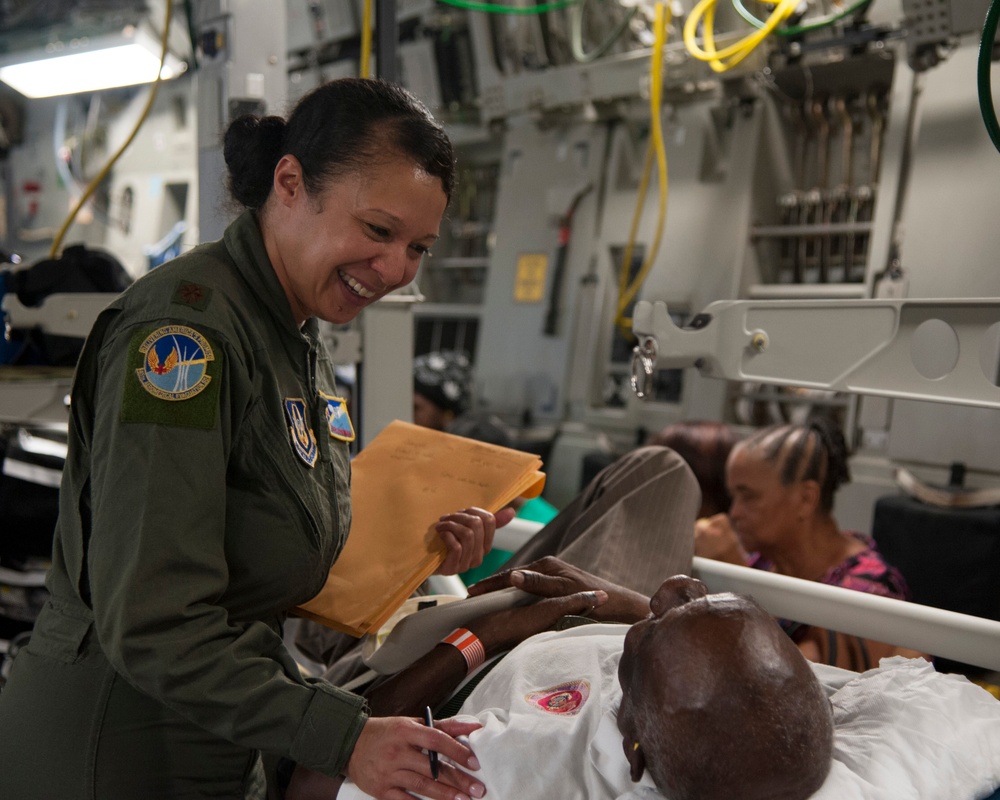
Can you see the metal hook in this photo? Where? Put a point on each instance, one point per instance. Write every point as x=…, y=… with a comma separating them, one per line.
x=644, y=358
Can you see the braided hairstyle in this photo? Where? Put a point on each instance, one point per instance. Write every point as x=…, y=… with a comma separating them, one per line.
x=337, y=128
x=814, y=451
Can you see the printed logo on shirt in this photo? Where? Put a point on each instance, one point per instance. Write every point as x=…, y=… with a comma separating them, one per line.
x=337, y=418
x=175, y=363
x=303, y=439
x=566, y=699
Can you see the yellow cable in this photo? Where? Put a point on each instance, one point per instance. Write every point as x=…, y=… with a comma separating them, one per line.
x=92, y=186
x=366, y=41
x=623, y=274
x=656, y=97
x=628, y=290
x=783, y=9
x=729, y=57
x=737, y=51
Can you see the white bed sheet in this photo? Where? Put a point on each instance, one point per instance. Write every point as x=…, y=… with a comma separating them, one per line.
x=906, y=731
x=903, y=731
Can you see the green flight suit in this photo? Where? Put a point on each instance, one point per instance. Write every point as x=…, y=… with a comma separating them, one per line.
x=190, y=520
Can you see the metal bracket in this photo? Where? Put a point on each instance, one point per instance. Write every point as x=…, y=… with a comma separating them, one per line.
x=68, y=314
x=643, y=362
x=35, y=394
x=939, y=350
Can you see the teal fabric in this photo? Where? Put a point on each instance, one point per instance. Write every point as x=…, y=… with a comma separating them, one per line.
x=538, y=509
x=534, y=510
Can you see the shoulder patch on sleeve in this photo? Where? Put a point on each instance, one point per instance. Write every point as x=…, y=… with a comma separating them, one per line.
x=172, y=378
x=189, y=293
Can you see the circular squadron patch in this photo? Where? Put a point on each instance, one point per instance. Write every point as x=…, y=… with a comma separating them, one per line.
x=174, y=365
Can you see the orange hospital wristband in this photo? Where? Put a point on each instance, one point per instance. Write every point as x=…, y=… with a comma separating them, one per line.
x=468, y=645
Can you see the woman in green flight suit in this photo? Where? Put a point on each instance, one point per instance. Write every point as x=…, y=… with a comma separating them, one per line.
x=206, y=490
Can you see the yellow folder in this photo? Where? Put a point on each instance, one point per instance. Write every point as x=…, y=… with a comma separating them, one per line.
x=401, y=484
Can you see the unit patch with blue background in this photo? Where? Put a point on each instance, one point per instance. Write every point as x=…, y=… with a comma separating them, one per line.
x=337, y=418
x=171, y=378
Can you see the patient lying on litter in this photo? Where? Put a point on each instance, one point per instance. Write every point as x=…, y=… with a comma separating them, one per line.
x=702, y=696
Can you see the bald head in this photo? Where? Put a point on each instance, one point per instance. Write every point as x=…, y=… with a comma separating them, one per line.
x=721, y=701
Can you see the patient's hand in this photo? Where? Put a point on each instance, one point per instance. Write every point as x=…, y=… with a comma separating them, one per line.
x=501, y=631
x=553, y=577
x=468, y=535
x=715, y=538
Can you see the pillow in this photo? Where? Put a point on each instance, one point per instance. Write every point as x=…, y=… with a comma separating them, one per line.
x=904, y=730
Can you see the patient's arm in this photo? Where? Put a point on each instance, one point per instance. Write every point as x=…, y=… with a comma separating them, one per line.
x=307, y=784
x=431, y=679
x=426, y=682
x=553, y=577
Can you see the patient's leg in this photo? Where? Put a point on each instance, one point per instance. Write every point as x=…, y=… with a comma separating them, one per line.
x=631, y=525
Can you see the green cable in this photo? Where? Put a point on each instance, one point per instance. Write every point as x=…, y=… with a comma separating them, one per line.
x=983, y=73
x=495, y=8
x=795, y=30
x=576, y=34
x=742, y=11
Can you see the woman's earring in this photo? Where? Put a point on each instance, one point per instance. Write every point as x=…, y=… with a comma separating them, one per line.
x=635, y=746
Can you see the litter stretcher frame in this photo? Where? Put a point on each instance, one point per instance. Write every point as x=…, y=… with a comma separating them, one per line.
x=948, y=634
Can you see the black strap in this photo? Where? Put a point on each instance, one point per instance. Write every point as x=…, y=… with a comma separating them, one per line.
x=450, y=707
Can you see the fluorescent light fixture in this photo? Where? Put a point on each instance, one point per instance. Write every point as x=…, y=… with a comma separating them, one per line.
x=87, y=64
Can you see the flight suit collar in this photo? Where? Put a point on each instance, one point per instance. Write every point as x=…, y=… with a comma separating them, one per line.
x=246, y=246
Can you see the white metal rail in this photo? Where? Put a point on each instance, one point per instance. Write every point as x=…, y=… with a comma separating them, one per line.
x=971, y=640
x=961, y=637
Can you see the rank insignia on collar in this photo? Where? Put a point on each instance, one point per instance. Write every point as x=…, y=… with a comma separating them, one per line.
x=303, y=439
x=565, y=699
x=337, y=418
x=175, y=363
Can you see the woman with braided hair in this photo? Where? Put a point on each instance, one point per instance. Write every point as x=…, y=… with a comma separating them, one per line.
x=783, y=480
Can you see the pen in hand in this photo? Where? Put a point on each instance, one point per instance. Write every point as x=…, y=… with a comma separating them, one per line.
x=432, y=755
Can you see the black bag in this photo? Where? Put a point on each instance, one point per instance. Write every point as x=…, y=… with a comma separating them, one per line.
x=79, y=269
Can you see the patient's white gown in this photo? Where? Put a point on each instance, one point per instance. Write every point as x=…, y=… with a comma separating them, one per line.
x=549, y=732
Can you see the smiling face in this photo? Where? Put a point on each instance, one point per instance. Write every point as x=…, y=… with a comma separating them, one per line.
x=362, y=237
x=717, y=702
